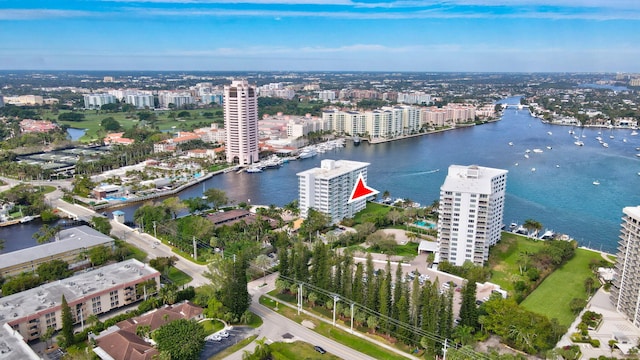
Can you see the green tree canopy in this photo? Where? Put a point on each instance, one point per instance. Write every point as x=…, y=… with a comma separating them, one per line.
x=101, y=224
x=53, y=270
x=216, y=197
x=182, y=339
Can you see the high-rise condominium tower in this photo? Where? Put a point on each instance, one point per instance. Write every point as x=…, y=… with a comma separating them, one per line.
x=241, y=122
x=471, y=213
x=625, y=292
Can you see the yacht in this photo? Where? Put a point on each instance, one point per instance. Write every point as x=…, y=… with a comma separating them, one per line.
x=307, y=153
x=634, y=133
x=510, y=143
x=533, y=169
x=596, y=183
x=537, y=151
x=604, y=144
x=526, y=156
x=549, y=132
x=26, y=219
x=579, y=143
x=254, y=169
x=549, y=148
x=527, y=151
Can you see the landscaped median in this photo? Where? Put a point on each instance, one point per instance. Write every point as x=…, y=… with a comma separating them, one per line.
x=323, y=327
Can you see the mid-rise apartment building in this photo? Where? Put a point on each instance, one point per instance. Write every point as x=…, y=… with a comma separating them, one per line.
x=140, y=101
x=328, y=189
x=241, y=122
x=30, y=313
x=95, y=101
x=625, y=292
x=471, y=213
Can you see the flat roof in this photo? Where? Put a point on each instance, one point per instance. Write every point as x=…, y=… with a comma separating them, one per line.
x=473, y=178
x=70, y=239
x=45, y=298
x=12, y=345
x=338, y=167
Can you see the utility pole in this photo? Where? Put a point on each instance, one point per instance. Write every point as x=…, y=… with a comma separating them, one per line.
x=444, y=350
x=352, y=305
x=155, y=234
x=195, y=250
x=299, y=298
x=335, y=301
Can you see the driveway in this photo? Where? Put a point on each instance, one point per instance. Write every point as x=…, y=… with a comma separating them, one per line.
x=237, y=334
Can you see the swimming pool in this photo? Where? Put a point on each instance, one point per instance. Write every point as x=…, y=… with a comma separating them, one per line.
x=425, y=224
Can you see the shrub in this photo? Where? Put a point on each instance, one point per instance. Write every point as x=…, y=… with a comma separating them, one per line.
x=595, y=343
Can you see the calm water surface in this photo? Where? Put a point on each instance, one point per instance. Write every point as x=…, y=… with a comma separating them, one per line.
x=559, y=193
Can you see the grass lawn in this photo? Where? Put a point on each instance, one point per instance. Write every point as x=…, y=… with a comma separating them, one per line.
x=178, y=277
x=297, y=350
x=503, y=258
x=211, y=326
x=336, y=334
x=563, y=285
x=408, y=249
x=372, y=210
x=136, y=253
x=233, y=348
x=93, y=119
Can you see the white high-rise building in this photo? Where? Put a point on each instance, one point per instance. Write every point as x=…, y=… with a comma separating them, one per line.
x=140, y=101
x=328, y=188
x=241, y=122
x=1, y=101
x=471, y=213
x=95, y=101
x=625, y=292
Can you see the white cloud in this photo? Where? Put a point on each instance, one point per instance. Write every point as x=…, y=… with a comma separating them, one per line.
x=32, y=14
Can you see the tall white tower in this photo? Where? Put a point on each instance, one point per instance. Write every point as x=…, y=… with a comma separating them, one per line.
x=241, y=122
x=471, y=213
x=625, y=292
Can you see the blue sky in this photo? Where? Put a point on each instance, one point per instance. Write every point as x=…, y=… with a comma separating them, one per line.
x=327, y=35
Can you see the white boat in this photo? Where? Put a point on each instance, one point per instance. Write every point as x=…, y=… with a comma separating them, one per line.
x=634, y=133
x=547, y=235
x=516, y=164
x=638, y=155
x=307, y=153
x=254, y=169
x=526, y=156
x=549, y=132
x=604, y=144
x=571, y=131
x=549, y=147
x=599, y=138
x=557, y=165
x=596, y=183
x=26, y=219
x=527, y=151
x=510, y=143
x=537, y=151
x=579, y=143
x=624, y=140
x=533, y=169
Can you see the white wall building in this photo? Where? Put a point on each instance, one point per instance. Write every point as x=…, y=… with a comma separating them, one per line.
x=471, y=213
x=328, y=188
x=95, y=101
x=241, y=122
x=140, y=101
x=1, y=101
x=625, y=292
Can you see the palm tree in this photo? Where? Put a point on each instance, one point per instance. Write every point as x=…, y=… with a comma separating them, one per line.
x=263, y=262
x=531, y=224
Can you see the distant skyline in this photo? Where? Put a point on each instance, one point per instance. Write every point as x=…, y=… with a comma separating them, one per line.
x=321, y=35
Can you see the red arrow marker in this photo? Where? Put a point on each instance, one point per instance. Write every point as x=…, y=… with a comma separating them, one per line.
x=361, y=190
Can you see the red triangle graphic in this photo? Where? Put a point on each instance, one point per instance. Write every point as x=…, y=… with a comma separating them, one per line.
x=361, y=190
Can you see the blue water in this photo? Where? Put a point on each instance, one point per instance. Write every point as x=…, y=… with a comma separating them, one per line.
x=562, y=198
x=75, y=134
x=422, y=223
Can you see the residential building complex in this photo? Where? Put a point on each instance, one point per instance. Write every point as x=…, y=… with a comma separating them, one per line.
x=70, y=244
x=470, y=213
x=30, y=313
x=95, y=101
x=392, y=121
x=625, y=292
x=328, y=188
x=241, y=122
x=140, y=101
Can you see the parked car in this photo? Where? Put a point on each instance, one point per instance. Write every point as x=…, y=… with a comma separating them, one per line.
x=319, y=349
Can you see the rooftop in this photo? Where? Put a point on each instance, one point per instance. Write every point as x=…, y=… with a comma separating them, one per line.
x=330, y=169
x=69, y=239
x=473, y=178
x=47, y=297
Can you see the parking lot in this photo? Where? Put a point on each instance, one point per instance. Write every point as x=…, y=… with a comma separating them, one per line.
x=212, y=347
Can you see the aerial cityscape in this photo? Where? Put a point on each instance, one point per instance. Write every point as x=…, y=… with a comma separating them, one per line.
x=303, y=179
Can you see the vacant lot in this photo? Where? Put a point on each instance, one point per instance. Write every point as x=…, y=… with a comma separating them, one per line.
x=503, y=258
x=552, y=297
